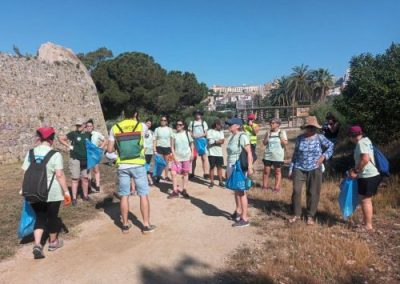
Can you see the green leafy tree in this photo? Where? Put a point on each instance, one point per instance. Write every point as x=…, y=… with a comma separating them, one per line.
x=372, y=95
x=92, y=58
x=280, y=96
x=321, y=81
x=299, y=84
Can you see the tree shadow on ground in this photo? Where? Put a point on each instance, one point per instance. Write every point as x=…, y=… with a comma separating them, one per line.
x=112, y=209
x=183, y=273
x=209, y=209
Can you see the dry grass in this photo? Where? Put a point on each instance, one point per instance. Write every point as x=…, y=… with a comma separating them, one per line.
x=330, y=252
x=11, y=202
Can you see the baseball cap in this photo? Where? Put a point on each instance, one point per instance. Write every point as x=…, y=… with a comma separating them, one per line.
x=251, y=116
x=234, y=120
x=355, y=130
x=45, y=132
x=80, y=121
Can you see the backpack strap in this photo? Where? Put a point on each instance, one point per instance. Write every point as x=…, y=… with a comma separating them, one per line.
x=48, y=156
x=119, y=128
x=187, y=135
x=202, y=125
x=135, y=126
x=32, y=156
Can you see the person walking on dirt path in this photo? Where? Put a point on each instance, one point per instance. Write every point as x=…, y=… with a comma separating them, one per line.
x=182, y=151
x=366, y=173
x=127, y=138
x=274, y=141
x=162, y=143
x=216, y=138
x=252, y=129
x=100, y=141
x=148, y=148
x=305, y=167
x=47, y=212
x=236, y=142
x=76, y=142
x=198, y=130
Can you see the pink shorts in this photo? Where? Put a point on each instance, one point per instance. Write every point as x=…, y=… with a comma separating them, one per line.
x=181, y=167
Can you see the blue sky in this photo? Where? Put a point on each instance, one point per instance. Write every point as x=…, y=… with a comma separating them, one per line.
x=221, y=41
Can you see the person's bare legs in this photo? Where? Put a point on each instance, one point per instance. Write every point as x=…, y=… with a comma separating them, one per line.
x=124, y=207
x=278, y=178
x=204, y=160
x=244, y=205
x=267, y=171
x=37, y=234
x=238, y=203
x=166, y=170
x=219, y=171
x=85, y=186
x=74, y=187
x=145, y=210
x=367, y=209
x=194, y=163
x=185, y=180
x=174, y=181
x=211, y=175
x=96, y=171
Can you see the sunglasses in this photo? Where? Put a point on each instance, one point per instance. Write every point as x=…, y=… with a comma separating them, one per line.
x=163, y=120
x=179, y=124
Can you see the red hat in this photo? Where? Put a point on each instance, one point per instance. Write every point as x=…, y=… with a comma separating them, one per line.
x=251, y=116
x=45, y=132
x=355, y=130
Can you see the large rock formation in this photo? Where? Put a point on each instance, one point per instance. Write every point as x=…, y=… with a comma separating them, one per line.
x=53, y=89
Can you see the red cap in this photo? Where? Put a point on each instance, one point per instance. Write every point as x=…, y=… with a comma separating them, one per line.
x=355, y=130
x=251, y=116
x=46, y=132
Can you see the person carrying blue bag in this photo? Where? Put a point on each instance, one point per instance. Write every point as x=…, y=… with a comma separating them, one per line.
x=239, y=157
x=366, y=171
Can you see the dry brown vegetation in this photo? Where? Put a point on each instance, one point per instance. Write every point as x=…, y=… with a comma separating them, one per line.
x=333, y=251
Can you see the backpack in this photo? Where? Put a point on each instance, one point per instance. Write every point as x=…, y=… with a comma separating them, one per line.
x=381, y=162
x=202, y=125
x=34, y=185
x=129, y=144
x=244, y=162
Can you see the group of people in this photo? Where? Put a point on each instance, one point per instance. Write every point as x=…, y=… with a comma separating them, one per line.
x=132, y=144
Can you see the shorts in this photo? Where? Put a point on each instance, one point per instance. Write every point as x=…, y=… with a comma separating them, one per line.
x=183, y=167
x=215, y=161
x=139, y=176
x=254, y=152
x=368, y=187
x=75, y=167
x=276, y=164
x=163, y=150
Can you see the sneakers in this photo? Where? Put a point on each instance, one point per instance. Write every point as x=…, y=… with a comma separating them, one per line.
x=206, y=176
x=241, y=223
x=235, y=216
x=211, y=185
x=74, y=202
x=86, y=198
x=149, y=229
x=125, y=228
x=221, y=184
x=185, y=194
x=173, y=195
x=56, y=245
x=191, y=176
x=95, y=189
x=37, y=252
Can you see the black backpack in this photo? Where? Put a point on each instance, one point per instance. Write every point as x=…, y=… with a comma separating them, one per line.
x=34, y=186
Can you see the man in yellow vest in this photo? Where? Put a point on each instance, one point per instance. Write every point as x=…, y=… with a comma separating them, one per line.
x=252, y=129
x=127, y=138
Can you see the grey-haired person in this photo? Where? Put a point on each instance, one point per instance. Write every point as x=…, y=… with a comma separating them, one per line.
x=274, y=141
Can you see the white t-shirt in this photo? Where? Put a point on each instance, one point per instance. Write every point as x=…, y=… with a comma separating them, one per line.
x=233, y=150
x=97, y=138
x=364, y=146
x=162, y=136
x=213, y=136
x=197, y=127
x=148, y=143
x=182, y=141
x=111, y=138
x=274, y=150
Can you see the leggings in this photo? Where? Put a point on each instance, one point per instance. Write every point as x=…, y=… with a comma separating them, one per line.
x=47, y=216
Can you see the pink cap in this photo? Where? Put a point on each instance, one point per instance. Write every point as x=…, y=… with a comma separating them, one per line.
x=251, y=116
x=355, y=130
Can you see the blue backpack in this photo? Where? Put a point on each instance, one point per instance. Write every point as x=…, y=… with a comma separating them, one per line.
x=381, y=162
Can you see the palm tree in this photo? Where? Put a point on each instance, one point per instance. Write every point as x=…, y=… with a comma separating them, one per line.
x=281, y=95
x=299, y=84
x=321, y=82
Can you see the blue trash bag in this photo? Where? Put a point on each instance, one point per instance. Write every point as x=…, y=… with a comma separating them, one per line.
x=94, y=154
x=27, y=221
x=348, y=197
x=237, y=180
x=159, y=165
x=147, y=167
x=201, y=145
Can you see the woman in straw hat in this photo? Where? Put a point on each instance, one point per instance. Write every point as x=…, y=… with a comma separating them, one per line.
x=305, y=167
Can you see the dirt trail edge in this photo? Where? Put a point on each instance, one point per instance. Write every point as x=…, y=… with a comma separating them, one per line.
x=191, y=243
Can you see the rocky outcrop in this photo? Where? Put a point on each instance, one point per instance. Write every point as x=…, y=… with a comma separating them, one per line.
x=53, y=89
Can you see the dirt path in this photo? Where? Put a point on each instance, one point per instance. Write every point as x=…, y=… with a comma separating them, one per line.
x=192, y=241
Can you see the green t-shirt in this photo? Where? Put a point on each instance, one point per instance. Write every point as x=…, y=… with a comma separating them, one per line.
x=232, y=149
x=163, y=135
x=182, y=146
x=274, y=150
x=78, y=142
x=364, y=146
x=55, y=163
x=212, y=136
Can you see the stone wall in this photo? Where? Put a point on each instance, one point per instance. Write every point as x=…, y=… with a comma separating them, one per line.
x=43, y=92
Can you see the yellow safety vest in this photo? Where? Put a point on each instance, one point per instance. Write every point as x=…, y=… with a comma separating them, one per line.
x=249, y=131
x=127, y=125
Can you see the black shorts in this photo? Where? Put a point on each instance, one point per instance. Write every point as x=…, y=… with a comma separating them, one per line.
x=215, y=161
x=268, y=163
x=163, y=150
x=148, y=158
x=368, y=187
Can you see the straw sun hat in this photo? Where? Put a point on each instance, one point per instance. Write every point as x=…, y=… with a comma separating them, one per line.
x=311, y=121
